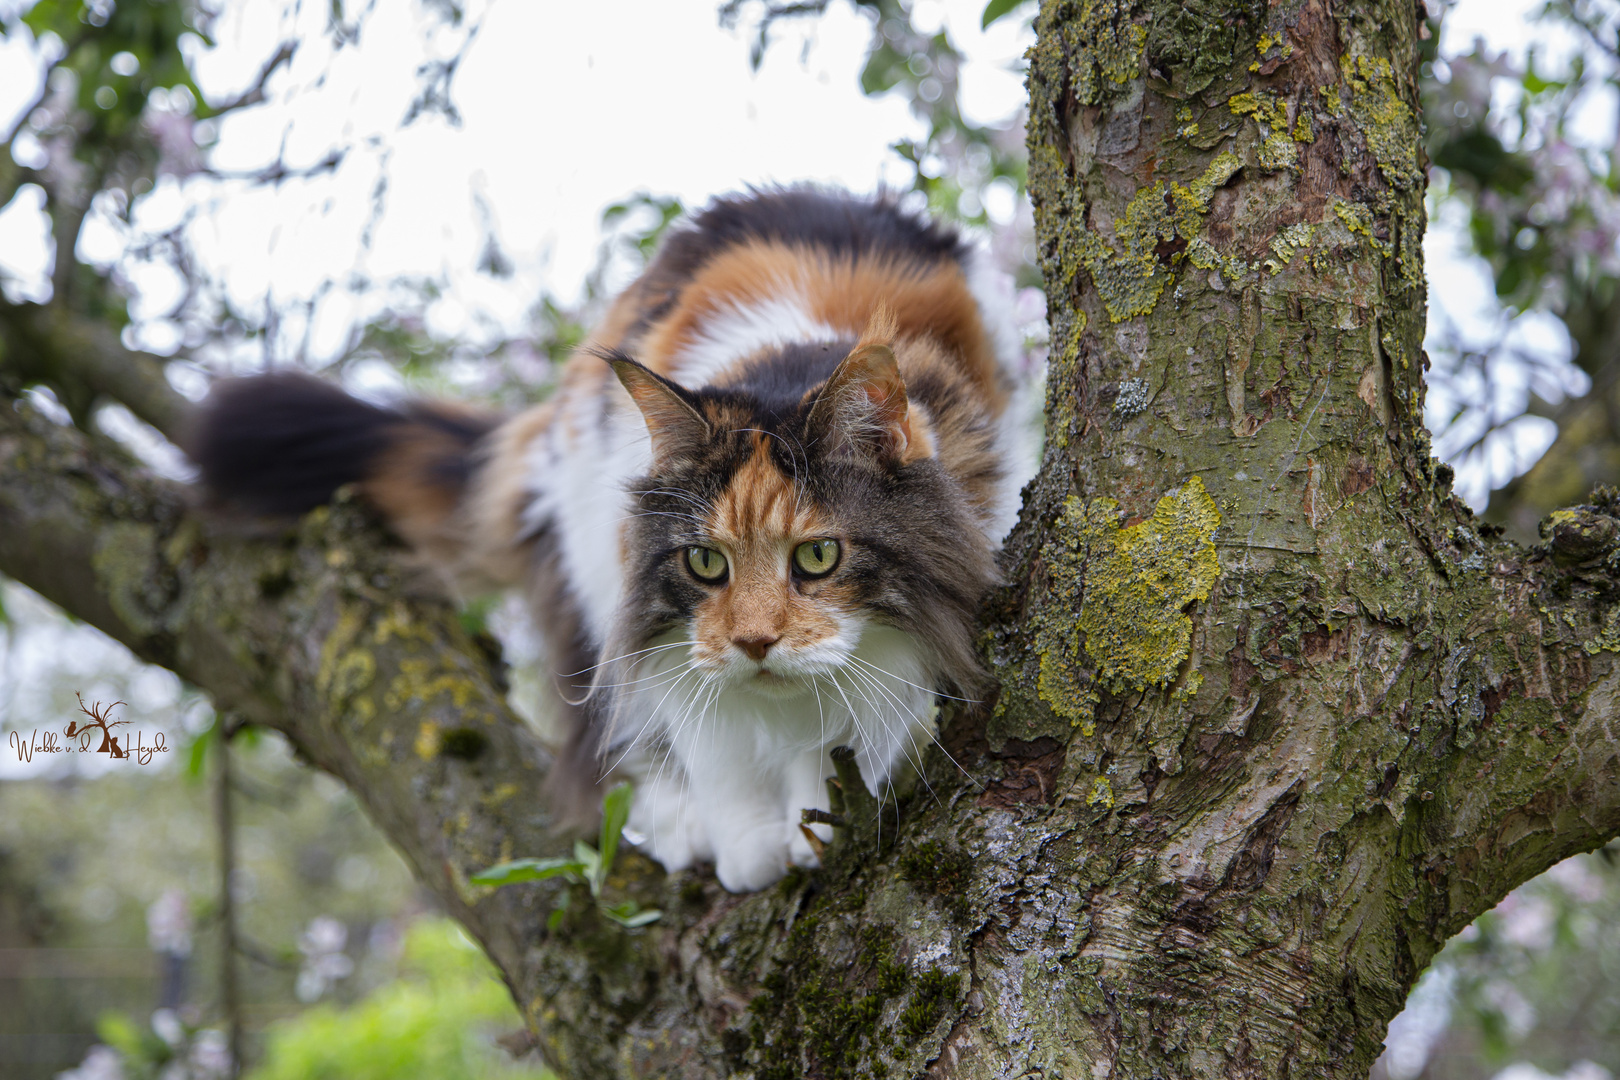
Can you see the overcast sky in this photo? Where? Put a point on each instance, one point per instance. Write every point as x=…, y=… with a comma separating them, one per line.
x=566, y=108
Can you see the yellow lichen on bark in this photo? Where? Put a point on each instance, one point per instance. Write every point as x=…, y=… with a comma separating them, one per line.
x=1129, y=274
x=1389, y=124
x=1133, y=584
x=1138, y=580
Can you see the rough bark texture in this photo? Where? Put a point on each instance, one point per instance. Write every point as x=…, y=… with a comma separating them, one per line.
x=1276, y=716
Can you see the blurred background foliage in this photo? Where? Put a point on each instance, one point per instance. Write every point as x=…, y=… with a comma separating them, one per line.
x=1525, y=162
x=113, y=921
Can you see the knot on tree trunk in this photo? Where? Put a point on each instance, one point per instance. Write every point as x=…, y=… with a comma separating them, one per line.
x=1582, y=534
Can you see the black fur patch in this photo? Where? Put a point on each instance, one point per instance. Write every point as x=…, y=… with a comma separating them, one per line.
x=837, y=222
x=282, y=443
x=778, y=381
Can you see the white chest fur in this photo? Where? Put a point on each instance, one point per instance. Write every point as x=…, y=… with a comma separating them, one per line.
x=725, y=770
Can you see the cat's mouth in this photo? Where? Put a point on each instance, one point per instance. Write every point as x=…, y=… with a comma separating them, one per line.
x=775, y=684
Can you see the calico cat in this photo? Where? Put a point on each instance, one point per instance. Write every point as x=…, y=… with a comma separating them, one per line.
x=754, y=522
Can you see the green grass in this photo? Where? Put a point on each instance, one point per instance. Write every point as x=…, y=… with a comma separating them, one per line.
x=436, y=1022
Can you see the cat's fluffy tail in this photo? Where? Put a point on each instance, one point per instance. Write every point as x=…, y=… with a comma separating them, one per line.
x=448, y=478
x=282, y=443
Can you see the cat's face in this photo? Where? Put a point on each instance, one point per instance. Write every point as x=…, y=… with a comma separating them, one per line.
x=767, y=578
x=773, y=530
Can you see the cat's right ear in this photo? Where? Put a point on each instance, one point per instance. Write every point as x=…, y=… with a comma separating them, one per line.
x=676, y=426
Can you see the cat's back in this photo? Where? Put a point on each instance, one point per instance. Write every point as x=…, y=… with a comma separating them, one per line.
x=785, y=266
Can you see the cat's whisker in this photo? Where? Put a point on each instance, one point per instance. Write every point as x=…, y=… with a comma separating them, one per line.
x=635, y=744
x=635, y=740
x=821, y=713
x=854, y=713
x=707, y=689
x=915, y=753
x=901, y=709
x=648, y=682
x=901, y=712
x=888, y=786
x=656, y=680
x=599, y=669
x=690, y=667
x=669, y=514
x=793, y=459
x=618, y=686
x=952, y=759
x=711, y=687
x=948, y=756
x=686, y=496
x=626, y=656
x=889, y=674
x=855, y=718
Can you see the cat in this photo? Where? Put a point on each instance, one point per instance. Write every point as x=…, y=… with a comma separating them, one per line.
x=754, y=522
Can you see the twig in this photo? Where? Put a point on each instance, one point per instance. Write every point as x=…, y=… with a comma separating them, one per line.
x=230, y=990
x=254, y=94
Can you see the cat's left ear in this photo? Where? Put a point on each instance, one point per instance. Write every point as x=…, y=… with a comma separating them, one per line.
x=864, y=408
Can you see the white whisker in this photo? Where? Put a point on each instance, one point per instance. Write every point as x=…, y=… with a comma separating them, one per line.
x=635, y=740
x=896, y=678
x=626, y=656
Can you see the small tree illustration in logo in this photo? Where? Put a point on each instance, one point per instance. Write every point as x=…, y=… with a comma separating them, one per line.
x=98, y=719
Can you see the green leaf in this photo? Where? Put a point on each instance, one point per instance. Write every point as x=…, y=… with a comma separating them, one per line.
x=474, y=615
x=998, y=9
x=884, y=70
x=615, y=812
x=590, y=865
x=197, y=754
x=630, y=916
x=510, y=873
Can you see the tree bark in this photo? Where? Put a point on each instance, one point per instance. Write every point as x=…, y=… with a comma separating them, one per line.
x=1276, y=716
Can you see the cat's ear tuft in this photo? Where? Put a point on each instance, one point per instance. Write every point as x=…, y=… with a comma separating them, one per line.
x=676, y=425
x=864, y=408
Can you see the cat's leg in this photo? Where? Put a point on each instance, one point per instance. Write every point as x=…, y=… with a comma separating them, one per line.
x=806, y=789
x=740, y=808
x=662, y=812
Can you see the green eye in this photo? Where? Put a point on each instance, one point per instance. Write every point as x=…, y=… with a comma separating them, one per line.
x=816, y=557
x=706, y=563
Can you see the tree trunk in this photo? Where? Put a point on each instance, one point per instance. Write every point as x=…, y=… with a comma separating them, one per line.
x=1276, y=716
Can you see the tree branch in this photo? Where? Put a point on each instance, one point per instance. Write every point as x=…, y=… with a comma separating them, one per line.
x=335, y=641
x=254, y=94
x=332, y=641
x=51, y=344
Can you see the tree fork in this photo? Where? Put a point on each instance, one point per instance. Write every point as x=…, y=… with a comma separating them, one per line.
x=1276, y=717
x=1229, y=205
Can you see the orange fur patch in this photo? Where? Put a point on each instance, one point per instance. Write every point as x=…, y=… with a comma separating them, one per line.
x=498, y=500
x=919, y=301
x=759, y=520
x=414, y=486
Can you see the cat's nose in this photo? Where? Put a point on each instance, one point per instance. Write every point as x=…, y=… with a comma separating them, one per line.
x=755, y=647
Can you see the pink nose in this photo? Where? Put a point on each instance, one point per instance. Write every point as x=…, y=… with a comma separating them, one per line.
x=755, y=647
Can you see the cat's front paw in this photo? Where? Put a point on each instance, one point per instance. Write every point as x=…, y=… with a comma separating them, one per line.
x=751, y=861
